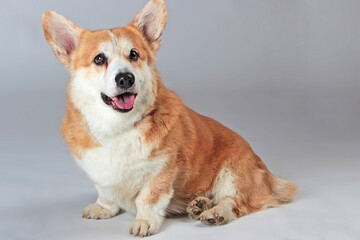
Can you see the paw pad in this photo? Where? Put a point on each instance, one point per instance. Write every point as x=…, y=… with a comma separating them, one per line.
x=211, y=221
x=197, y=206
x=214, y=216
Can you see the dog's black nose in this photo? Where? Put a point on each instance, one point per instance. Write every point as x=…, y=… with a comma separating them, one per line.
x=125, y=80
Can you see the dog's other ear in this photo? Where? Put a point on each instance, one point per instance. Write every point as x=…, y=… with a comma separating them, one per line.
x=62, y=35
x=151, y=21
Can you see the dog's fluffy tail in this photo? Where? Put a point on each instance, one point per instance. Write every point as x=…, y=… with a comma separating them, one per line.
x=283, y=190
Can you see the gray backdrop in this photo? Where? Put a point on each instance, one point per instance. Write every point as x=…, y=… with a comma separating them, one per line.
x=282, y=73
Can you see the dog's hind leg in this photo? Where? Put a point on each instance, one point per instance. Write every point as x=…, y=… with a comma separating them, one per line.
x=223, y=200
x=239, y=191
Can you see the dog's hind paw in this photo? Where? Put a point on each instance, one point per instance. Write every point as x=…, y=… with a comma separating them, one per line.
x=197, y=206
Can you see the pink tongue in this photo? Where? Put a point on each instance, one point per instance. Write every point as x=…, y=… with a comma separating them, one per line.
x=125, y=101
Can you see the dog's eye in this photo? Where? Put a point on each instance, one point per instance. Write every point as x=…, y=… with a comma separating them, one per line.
x=100, y=59
x=134, y=55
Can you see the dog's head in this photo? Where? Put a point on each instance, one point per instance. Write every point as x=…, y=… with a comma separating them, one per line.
x=111, y=70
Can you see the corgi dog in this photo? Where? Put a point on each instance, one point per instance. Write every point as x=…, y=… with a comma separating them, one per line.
x=144, y=150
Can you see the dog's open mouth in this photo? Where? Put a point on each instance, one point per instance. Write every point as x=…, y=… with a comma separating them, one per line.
x=122, y=103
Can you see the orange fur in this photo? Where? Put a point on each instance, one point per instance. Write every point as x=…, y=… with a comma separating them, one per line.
x=196, y=148
x=131, y=32
x=203, y=147
x=76, y=132
x=162, y=183
x=83, y=55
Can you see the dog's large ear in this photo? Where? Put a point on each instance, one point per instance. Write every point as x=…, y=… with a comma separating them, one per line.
x=62, y=35
x=151, y=21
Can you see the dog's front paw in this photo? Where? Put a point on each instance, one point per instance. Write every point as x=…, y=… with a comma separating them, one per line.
x=143, y=228
x=95, y=211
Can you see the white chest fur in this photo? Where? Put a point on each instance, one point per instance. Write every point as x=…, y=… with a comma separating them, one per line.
x=121, y=167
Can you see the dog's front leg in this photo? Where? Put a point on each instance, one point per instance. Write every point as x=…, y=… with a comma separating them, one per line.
x=104, y=207
x=151, y=204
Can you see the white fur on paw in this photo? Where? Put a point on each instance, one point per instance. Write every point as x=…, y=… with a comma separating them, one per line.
x=95, y=211
x=143, y=228
x=215, y=216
